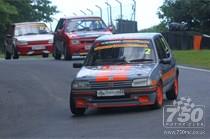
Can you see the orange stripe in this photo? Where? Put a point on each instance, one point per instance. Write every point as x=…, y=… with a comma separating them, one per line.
x=120, y=46
x=122, y=74
x=102, y=78
x=169, y=74
x=119, y=76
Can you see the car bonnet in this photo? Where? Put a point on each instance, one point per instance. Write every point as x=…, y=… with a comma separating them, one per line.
x=90, y=34
x=38, y=37
x=115, y=72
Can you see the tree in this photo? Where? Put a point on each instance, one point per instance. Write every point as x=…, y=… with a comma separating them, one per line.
x=196, y=13
x=33, y=10
x=157, y=28
x=6, y=11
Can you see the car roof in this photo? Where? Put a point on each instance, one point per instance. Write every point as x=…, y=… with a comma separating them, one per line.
x=134, y=36
x=79, y=17
x=25, y=23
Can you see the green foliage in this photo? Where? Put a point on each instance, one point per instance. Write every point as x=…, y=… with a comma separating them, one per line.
x=12, y=11
x=196, y=13
x=158, y=28
x=6, y=11
x=43, y=10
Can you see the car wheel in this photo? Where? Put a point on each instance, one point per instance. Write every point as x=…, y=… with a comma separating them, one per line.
x=15, y=56
x=74, y=110
x=172, y=94
x=56, y=54
x=44, y=55
x=67, y=55
x=159, y=96
x=7, y=55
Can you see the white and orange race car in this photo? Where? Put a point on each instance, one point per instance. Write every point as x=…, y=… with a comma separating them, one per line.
x=125, y=70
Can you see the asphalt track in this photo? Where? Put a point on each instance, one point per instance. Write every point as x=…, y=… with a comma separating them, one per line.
x=34, y=103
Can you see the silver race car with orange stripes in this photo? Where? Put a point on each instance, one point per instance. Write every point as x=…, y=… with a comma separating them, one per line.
x=125, y=70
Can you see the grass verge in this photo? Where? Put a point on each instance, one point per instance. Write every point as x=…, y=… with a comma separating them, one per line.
x=199, y=59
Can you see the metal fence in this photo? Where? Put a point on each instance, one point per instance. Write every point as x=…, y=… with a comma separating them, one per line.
x=180, y=40
x=184, y=40
x=126, y=26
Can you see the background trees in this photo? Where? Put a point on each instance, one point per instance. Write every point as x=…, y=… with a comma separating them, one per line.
x=196, y=13
x=24, y=11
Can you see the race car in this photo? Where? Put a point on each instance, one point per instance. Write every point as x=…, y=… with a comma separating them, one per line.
x=74, y=36
x=125, y=70
x=28, y=38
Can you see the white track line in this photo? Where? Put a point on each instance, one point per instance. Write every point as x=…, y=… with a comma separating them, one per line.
x=190, y=68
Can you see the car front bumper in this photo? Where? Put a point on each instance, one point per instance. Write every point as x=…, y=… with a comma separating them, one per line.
x=133, y=97
x=31, y=49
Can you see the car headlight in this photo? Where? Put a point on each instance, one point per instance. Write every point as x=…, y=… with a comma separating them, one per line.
x=141, y=82
x=21, y=42
x=80, y=85
x=75, y=42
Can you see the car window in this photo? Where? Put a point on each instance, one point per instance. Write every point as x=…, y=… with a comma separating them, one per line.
x=88, y=24
x=31, y=29
x=120, y=52
x=162, y=48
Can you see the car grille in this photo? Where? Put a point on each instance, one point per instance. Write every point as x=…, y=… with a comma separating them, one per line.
x=87, y=40
x=115, y=84
x=37, y=42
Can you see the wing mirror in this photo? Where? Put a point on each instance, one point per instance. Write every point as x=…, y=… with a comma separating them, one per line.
x=77, y=65
x=165, y=61
x=110, y=28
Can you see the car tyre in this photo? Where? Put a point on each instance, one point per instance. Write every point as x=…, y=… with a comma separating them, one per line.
x=172, y=94
x=159, y=96
x=74, y=110
x=44, y=55
x=56, y=54
x=67, y=55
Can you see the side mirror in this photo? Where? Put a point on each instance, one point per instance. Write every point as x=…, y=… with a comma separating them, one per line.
x=110, y=28
x=77, y=65
x=165, y=61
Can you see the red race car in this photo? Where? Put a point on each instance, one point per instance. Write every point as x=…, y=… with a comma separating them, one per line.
x=28, y=38
x=74, y=36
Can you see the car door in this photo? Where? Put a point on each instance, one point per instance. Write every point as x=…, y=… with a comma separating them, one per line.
x=167, y=68
x=58, y=35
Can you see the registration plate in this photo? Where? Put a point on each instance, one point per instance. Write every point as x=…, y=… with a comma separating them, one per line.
x=38, y=47
x=87, y=47
x=109, y=93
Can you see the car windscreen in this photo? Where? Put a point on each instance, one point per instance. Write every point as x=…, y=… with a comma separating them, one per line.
x=31, y=29
x=87, y=24
x=121, y=52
